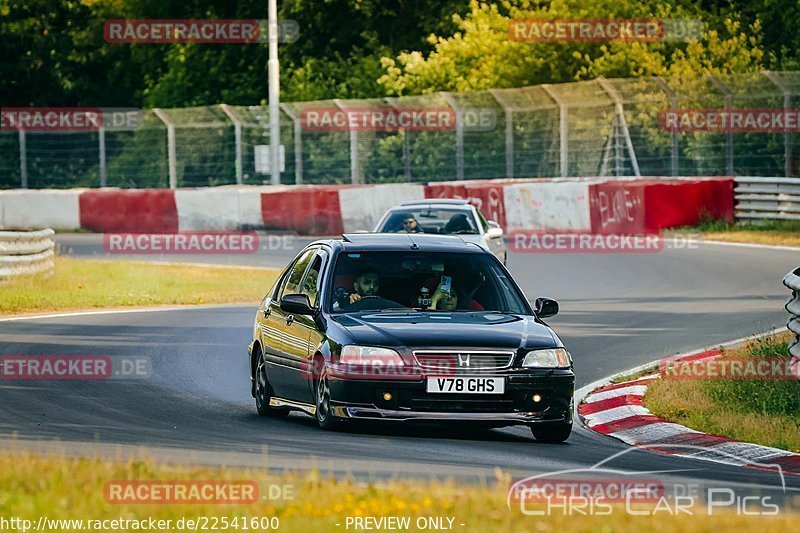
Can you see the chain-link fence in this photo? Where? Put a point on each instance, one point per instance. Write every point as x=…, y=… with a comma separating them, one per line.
x=603, y=127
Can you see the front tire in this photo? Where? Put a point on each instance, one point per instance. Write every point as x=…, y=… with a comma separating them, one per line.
x=264, y=391
x=324, y=413
x=551, y=433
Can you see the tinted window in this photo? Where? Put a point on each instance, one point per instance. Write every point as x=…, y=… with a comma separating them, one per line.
x=312, y=278
x=475, y=282
x=292, y=285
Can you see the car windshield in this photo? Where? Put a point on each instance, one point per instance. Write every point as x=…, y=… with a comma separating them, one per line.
x=430, y=220
x=435, y=281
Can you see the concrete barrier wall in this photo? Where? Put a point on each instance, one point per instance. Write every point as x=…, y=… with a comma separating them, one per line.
x=362, y=207
x=37, y=209
x=627, y=206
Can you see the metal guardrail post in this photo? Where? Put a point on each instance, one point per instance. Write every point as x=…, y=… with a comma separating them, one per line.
x=787, y=136
x=237, y=137
x=26, y=252
x=792, y=281
x=563, y=127
x=172, y=161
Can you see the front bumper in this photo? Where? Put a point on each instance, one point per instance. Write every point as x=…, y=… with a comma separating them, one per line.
x=364, y=399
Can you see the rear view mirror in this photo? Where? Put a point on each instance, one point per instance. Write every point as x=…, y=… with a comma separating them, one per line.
x=545, y=307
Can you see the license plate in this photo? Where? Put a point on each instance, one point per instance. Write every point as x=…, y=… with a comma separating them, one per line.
x=464, y=385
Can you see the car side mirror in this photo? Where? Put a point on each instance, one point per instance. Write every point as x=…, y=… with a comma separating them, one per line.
x=297, y=303
x=545, y=307
x=494, y=230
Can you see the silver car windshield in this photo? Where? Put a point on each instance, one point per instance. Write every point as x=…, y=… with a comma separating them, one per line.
x=443, y=221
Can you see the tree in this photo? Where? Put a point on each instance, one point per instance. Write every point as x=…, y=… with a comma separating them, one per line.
x=480, y=55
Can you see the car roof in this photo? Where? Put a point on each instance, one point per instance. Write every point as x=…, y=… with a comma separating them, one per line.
x=434, y=201
x=403, y=242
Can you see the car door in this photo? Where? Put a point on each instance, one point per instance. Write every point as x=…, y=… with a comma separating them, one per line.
x=305, y=335
x=278, y=341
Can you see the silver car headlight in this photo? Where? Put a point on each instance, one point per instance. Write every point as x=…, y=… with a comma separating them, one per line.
x=548, y=358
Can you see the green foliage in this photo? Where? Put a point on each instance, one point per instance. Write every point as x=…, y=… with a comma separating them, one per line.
x=759, y=396
x=481, y=54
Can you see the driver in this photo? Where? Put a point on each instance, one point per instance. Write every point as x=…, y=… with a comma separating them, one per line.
x=410, y=224
x=367, y=283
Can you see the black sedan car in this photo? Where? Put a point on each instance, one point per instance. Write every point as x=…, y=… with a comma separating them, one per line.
x=409, y=327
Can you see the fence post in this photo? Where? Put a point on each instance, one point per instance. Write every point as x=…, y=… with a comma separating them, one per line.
x=729, y=136
x=509, y=113
x=563, y=127
x=673, y=135
x=298, y=143
x=355, y=164
x=172, y=162
x=101, y=141
x=237, y=138
x=623, y=124
x=23, y=160
x=459, y=134
x=406, y=145
x=787, y=136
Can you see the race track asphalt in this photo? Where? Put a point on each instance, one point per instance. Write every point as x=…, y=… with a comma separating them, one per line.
x=617, y=311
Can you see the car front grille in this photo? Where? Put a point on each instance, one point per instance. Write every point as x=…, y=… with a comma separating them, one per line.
x=467, y=360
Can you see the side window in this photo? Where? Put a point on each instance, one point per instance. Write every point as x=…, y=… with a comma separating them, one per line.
x=310, y=284
x=484, y=224
x=292, y=285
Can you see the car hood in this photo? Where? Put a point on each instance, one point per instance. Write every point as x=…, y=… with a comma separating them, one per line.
x=432, y=329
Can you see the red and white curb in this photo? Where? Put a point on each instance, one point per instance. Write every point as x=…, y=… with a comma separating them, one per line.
x=617, y=410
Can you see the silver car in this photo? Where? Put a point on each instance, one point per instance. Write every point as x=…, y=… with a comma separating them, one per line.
x=445, y=217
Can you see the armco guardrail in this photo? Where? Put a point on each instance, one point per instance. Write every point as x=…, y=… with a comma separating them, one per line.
x=792, y=280
x=26, y=252
x=767, y=198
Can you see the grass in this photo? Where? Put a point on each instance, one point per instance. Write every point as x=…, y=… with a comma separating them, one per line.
x=57, y=487
x=773, y=232
x=92, y=284
x=759, y=411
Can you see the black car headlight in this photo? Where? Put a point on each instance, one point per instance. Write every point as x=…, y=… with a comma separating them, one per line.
x=547, y=358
